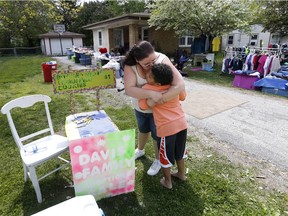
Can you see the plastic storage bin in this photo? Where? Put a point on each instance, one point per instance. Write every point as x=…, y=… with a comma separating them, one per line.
x=245, y=82
x=207, y=66
x=47, y=68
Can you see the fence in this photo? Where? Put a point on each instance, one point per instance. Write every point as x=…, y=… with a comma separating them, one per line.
x=16, y=51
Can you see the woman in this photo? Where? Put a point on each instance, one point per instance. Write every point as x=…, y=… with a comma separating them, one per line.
x=137, y=65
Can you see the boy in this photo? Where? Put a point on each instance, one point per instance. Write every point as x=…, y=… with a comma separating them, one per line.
x=171, y=125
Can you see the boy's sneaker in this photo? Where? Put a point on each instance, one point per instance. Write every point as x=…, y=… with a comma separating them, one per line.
x=155, y=167
x=139, y=153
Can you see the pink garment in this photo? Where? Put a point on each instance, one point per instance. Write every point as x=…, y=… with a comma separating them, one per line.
x=261, y=62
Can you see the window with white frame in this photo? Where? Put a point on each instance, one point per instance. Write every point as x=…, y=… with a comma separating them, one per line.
x=187, y=40
x=230, y=40
x=100, y=39
x=254, y=40
x=144, y=33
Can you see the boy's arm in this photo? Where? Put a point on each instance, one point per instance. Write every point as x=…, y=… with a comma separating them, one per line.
x=145, y=104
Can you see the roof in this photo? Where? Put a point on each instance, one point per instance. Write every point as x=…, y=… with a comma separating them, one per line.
x=66, y=34
x=132, y=16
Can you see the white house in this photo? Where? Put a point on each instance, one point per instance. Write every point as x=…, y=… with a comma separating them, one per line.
x=257, y=38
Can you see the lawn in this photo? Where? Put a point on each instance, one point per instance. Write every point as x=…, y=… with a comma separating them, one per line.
x=214, y=185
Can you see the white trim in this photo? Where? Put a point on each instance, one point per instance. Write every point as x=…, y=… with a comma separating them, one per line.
x=143, y=37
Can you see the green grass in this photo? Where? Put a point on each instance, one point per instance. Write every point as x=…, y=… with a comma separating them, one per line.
x=213, y=77
x=214, y=185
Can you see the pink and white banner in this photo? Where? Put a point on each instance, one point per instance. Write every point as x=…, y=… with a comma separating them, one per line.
x=104, y=165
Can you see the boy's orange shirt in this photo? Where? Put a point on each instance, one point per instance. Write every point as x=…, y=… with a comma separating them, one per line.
x=169, y=117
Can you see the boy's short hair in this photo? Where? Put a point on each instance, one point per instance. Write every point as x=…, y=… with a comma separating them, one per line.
x=162, y=73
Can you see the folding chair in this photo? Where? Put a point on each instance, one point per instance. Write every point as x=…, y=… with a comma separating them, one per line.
x=45, y=144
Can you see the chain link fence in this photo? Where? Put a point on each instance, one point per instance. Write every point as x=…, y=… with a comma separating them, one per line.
x=18, y=51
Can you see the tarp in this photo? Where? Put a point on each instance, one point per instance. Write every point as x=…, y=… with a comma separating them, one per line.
x=276, y=83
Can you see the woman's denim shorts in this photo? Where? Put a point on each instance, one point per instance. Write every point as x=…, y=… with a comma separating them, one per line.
x=146, y=123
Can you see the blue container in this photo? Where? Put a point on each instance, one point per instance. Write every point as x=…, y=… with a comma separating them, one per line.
x=275, y=91
x=77, y=57
x=85, y=61
x=70, y=53
x=84, y=56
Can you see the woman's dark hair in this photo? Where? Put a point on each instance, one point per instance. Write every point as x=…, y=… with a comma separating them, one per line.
x=162, y=73
x=138, y=52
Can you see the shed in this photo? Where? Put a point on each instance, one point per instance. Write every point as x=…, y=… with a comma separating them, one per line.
x=54, y=44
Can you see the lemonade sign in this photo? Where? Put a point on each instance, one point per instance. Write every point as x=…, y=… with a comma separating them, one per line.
x=73, y=81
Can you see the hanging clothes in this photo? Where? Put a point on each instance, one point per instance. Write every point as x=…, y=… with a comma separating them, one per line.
x=215, y=44
x=261, y=63
x=275, y=66
x=266, y=65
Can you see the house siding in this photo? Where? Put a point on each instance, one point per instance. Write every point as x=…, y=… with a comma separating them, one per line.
x=241, y=39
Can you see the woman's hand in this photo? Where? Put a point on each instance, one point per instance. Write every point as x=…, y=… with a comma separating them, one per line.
x=156, y=96
x=150, y=103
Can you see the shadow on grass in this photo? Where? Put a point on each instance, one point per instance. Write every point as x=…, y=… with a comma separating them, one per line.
x=53, y=190
x=180, y=200
x=150, y=198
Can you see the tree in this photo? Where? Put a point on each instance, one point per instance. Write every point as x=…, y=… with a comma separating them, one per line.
x=208, y=17
x=273, y=16
x=96, y=11
x=90, y=12
x=68, y=12
x=22, y=21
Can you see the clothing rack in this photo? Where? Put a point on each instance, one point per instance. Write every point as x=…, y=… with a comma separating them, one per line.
x=231, y=52
x=276, y=51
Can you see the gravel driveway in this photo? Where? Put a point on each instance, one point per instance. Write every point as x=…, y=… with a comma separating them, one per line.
x=254, y=133
x=259, y=126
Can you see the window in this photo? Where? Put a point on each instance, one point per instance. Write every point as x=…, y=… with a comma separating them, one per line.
x=144, y=33
x=186, y=40
x=230, y=39
x=100, y=42
x=254, y=40
x=118, y=37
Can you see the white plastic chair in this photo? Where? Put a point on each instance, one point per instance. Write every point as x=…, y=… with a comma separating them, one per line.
x=47, y=146
x=79, y=206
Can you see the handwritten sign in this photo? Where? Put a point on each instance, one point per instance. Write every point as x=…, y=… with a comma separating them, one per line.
x=104, y=165
x=73, y=81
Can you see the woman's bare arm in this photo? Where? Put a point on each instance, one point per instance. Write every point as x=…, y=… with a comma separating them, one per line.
x=132, y=90
x=178, y=84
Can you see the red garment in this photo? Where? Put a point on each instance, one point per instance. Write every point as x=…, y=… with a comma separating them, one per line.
x=255, y=60
x=103, y=50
